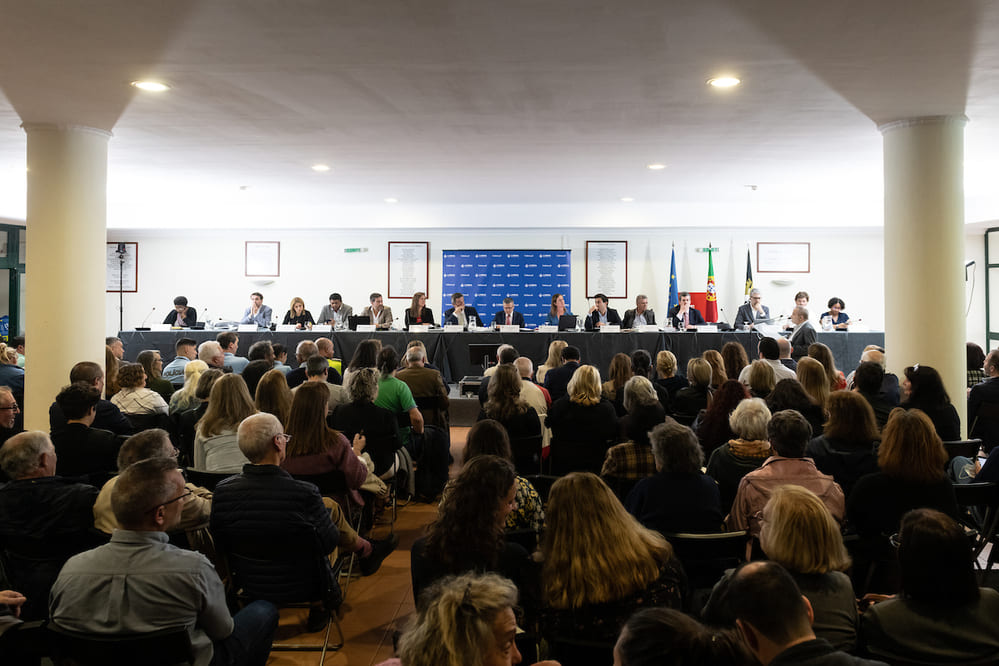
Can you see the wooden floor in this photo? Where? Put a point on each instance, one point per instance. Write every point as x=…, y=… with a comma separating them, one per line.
x=377, y=605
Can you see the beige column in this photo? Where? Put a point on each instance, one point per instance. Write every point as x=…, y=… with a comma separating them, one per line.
x=64, y=267
x=924, y=249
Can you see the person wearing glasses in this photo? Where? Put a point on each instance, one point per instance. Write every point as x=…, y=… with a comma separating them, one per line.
x=9, y=411
x=139, y=583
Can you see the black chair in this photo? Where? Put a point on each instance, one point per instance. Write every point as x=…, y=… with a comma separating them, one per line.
x=255, y=561
x=705, y=557
x=142, y=422
x=543, y=484
x=527, y=453
x=962, y=447
x=567, y=650
x=986, y=425
x=333, y=484
x=207, y=480
x=160, y=648
x=980, y=502
x=527, y=538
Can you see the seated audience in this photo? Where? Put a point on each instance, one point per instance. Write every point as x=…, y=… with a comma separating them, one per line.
x=613, y=389
x=822, y=354
x=868, y=379
x=583, y=424
x=553, y=361
x=138, y=583
x=735, y=358
x=769, y=353
x=10, y=373
x=305, y=350
x=272, y=395
x=775, y=619
x=734, y=459
x=467, y=534
x=211, y=353
x=848, y=448
x=679, y=498
x=266, y=502
x=814, y=380
x=923, y=389
x=360, y=415
x=281, y=357
x=798, y=532
x=317, y=370
x=517, y=417
x=215, y=447
x=187, y=351
x=632, y=460
x=667, y=637
x=394, y=395
x=717, y=363
x=134, y=398
x=489, y=438
x=785, y=354
x=82, y=450
x=941, y=614
x=712, y=425
x=641, y=366
x=10, y=423
x=188, y=420
x=666, y=376
x=261, y=357
x=154, y=443
x=789, y=434
x=112, y=365
x=44, y=518
x=229, y=341
x=626, y=567
x=427, y=386
x=889, y=384
x=761, y=379
x=976, y=362
x=557, y=379
x=983, y=401
x=183, y=399
x=689, y=401
x=153, y=365
x=790, y=394
x=109, y=417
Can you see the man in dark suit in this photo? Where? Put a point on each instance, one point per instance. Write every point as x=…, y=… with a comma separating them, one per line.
x=639, y=315
x=507, y=315
x=803, y=334
x=600, y=314
x=983, y=404
x=685, y=315
x=753, y=311
x=81, y=449
x=460, y=313
x=557, y=379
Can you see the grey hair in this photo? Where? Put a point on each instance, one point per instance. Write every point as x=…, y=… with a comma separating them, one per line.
x=750, y=418
x=639, y=391
x=255, y=434
x=142, y=487
x=801, y=311
x=755, y=290
x=19, y=455
x=454, y=622
x=150, y=443
x=362, y=385
x=414, y=354
x=208, y=350
x=676, y=448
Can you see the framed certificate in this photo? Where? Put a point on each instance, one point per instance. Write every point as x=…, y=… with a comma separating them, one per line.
x=408, y=268
x=783, y=257
x=607, y=268
x=122, y=274
x=263, y=259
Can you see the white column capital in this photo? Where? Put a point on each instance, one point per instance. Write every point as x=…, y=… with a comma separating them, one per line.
x=955, y=119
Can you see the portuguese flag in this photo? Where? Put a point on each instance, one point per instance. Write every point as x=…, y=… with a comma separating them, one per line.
x=711, y=301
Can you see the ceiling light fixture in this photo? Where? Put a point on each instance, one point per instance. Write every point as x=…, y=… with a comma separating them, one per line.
x=321, y=168
x=391, y=200
x=655, y=166
x=627, y=199
x=724, y=82
x=150, y=86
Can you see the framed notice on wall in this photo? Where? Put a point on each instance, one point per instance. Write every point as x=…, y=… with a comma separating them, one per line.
x=607, y=268
x=783, y=257
x=122, y=262
x=408, y=268
x=263, y=259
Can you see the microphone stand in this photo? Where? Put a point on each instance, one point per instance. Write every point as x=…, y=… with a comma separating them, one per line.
x=121, y=286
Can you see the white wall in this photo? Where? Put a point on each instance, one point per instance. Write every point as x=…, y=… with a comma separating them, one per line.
x=207, y=267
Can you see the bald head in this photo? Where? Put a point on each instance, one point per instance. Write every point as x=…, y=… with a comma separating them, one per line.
x=304, y=350
x=992, y=364
x=784, y=345
x=525, y=367
x=257, y=437
x=873, y=356
x=28, y=455
x=325, y=347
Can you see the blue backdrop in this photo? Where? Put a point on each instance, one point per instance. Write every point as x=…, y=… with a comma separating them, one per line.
x=486, y=277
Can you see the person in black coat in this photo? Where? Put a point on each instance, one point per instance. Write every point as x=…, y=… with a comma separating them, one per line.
x=418, y=312
x=600, y=314
x=557, y=379
x=676, y=313
x=516, y=318
x=583, y=425
x=181, y=315
x=459, y=313
x=83, y=451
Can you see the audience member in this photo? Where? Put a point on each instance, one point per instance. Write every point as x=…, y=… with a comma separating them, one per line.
x=378, y=425
x=666, y=374
x=215, y=445
x=679, y=498
x=823, y=355
x=769, y=353
x=632, y=460
x=188, y=420
x=394, y=395
x=554, y=359
x=138, y=583
x=735, y=357
x=734, y=459
x=613, y=389
x=789, y=394
x=717, y=363
x=303, y=352
x=813, y=378
x=229, y=342
x=272, y=395
x=428, y=388
x=151, y=362
x=116, y=346
x=134, y=398
x=109, y=417
x=211, y=353
x=516, y=416
x=976, y=361
x=324, y=347
x=848, y=448
x=785, y=354
x=112, y=366
x=667, y=637
x=983, y=400
x=868, y=380
x=689, y=401
x=583, y=424
x=923, y=389
x=317, y=371
x=10, y=423
x=183, y=399
x=557, y=379
x=82, y=450
x=712, y=426
x=761, y=379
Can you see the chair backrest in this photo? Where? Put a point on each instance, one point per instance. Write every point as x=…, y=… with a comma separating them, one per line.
x=986, y=425
x=142, y=422
x=526, y=453
x=543, y=484
x=330, y=484
x=962, y=447
x=705, y=557
x=161, y=648
x=207, y=480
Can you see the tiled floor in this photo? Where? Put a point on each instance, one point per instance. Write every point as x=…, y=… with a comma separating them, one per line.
x=376, y=606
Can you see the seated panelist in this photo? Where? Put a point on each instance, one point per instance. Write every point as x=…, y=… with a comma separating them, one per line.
x=181, y=315
x=557, y=310
x=459, y=313
x=508, y=316
x=298, y=315
x=418, y=312
x=640, y=315
x=685, y=315
x=600, y=314
x=840, y=320
x=753, y=311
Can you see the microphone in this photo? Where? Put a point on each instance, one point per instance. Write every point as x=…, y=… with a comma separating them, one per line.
x=143, y=327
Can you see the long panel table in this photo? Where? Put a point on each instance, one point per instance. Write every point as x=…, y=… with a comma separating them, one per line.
x=450, y=351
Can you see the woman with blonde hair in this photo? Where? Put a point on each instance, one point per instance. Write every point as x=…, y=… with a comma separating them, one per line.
x=761, y=379
x=666, y=373
x=734, y=459
x=273, y=395
x=418, y=312
x=613, y=389
x=184, y=399
x=822, y=354
x=798, y=532
x=215, y=447
x=848, y=447
x=553, y=361
x=583, y=424
x=298, y=315
x=624, y=566
x=717, y=363
x=689, y=401
x=813, y=378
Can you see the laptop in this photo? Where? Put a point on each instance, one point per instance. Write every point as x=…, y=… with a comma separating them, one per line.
x=567, y=323
x=354, y=320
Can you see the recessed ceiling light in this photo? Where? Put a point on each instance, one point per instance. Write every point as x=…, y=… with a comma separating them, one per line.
x=627, y=199
x=656, y=166
x=391, y=200
x=724, y=82
x=321, y=167
x=150, y=86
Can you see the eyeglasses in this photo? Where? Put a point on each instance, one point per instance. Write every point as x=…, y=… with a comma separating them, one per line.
x=13, y=408
x=285, y=436
x=895, y=540
x=184, y=497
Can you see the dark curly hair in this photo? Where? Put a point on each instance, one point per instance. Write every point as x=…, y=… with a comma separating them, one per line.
x=465, y=536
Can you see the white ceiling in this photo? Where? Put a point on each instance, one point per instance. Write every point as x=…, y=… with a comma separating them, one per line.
x=464, y=108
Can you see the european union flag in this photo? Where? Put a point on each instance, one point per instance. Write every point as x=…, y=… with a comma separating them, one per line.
x=674, y=290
